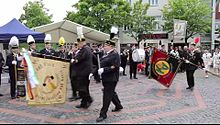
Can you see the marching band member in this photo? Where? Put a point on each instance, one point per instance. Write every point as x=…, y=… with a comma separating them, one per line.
x=48, y=49
x=61, y=53
x=193, y=57
x=133, y=65
x=124, y=56
x=109, y=72
x=12, y=63
x=31, y=44
x=2, y=61
x=73, y=73
x=83, y=64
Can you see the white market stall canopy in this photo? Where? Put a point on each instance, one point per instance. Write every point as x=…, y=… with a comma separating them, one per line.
x=68, y=30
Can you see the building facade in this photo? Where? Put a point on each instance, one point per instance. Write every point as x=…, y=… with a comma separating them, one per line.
x=155, y=10
x=158, y=36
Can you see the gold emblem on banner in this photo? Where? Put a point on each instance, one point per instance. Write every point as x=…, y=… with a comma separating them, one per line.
x=162, y=68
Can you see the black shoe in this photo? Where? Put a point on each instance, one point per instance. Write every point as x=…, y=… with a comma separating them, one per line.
x=124, y=74
x=13, y=97
x=80, y=106
x=74, y=98
x=89, y=103
x=130, y=77
x=117, y=109
x=1, y=95
x=188, y=88
x=135, y=78
x=99, y=119
x=91, y=100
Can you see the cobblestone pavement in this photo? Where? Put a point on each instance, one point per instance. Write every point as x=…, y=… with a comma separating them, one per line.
x=144, y=101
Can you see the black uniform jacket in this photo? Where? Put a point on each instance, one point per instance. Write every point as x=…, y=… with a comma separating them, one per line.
x=61, y=54
x=195, y=58
x=1, y=61
x=111, y=64
x=11, y=66
x=46, y=52
x=83, y=62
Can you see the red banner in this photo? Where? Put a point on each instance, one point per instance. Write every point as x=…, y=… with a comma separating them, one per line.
x=164, y=67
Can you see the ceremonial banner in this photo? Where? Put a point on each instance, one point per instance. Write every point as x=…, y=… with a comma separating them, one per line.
x=164, y=67
x=53, y=77
x=179, y=30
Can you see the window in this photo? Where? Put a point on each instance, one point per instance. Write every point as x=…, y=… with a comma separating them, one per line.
x=153, y=2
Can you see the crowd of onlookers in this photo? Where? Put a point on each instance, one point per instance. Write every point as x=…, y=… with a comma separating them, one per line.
x=211, y=59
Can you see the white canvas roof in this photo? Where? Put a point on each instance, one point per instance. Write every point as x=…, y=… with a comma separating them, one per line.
x=68, y=30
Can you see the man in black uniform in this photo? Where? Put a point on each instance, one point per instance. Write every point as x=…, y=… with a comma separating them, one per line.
x=109, y=72
x=1, y=65
x=61, y=53
x=194, y=57
x=124, y=56
x=11, y=62
x=96, y=61
x=73, y=72
x=31, y=44
x=133, y=65
x=147, y=60
x=48, y=49
x=83, y=65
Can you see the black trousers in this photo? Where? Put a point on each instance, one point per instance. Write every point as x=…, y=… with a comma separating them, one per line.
x=12, y=85
x=109, y=95
x=84, y=91
x=0, y=77
x=182, y=67
x=123, y=66
x=146, y=69
x=133, y=69
x=190, y=77
x=73, y=85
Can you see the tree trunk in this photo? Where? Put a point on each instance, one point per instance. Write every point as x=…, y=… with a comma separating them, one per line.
x=186, y=43
x=139, y=44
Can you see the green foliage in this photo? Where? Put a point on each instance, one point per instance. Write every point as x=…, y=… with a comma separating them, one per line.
x=197, y=13
x=101, y=14
x=40, y=46
x=140, y=23
x=35, y=14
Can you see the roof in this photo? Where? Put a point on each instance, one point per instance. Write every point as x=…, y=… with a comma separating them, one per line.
x=68, y=30
x=16, y=28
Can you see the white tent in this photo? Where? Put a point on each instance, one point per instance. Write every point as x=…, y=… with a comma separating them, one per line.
x=68, y=30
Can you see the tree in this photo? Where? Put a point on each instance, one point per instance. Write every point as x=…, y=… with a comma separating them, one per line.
x=197, y=13
x=35, y=14
x=140, y=22
x=100, y=14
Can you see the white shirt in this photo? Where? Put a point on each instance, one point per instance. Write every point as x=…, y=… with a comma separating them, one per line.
x=174, y=53
x=207, y=58
x=216, y=58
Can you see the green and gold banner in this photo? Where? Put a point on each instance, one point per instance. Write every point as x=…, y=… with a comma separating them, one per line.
x=53, y=77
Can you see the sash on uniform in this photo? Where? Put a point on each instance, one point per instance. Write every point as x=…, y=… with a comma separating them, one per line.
x=164, y=67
